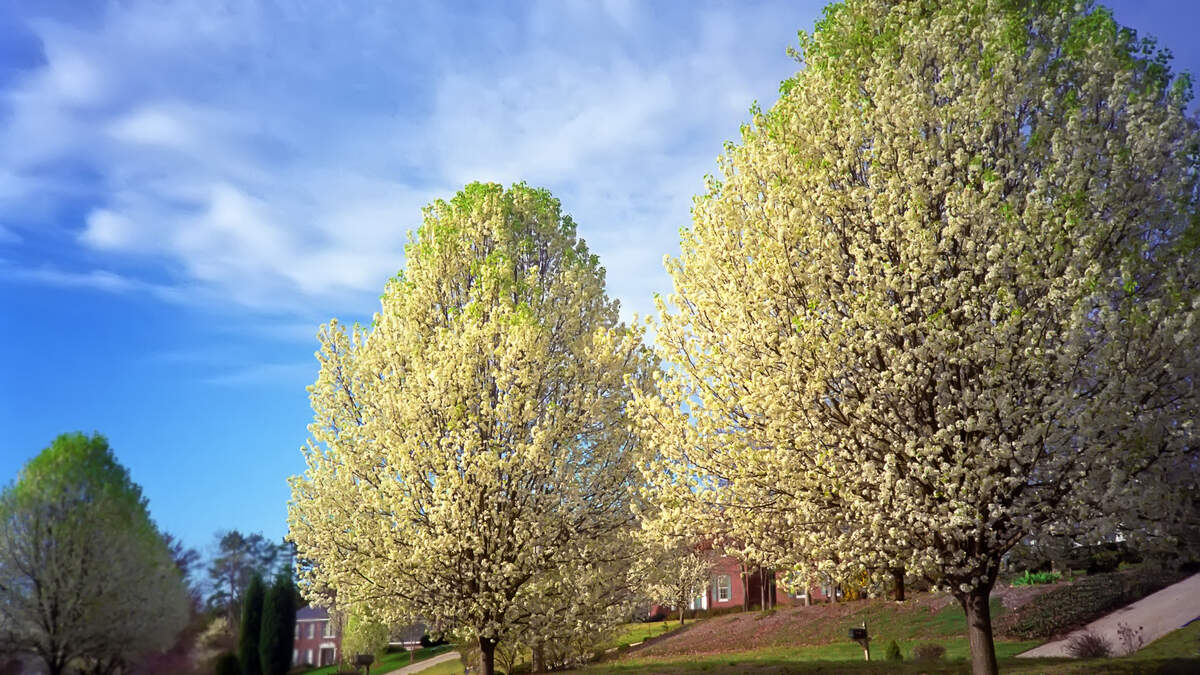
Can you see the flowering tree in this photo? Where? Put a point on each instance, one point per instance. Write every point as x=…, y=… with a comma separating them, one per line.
x=942, y=297
x=675, y=575
x=471, y=447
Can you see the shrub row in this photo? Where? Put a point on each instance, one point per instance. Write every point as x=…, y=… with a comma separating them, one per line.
x=1073, y=605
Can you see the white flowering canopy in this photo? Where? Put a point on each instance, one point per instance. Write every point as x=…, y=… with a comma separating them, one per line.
x=943, y=295
x=469, y=461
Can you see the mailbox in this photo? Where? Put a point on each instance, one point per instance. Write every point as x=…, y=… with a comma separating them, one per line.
x=858, y=633
x=364, y=659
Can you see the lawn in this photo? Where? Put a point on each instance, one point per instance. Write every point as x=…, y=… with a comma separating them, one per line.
x=391, y=661
x=633, y=633
x=1176, y=653
x=821, y=658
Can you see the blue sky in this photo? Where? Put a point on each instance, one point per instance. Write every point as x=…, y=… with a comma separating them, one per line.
x=188, y=189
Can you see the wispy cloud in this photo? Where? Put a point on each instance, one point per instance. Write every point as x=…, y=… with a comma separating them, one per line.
x=264, y=374
x=275, y=158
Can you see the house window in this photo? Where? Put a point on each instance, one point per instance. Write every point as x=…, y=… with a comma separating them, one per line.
x=312, y=630
x=295, y=656
x=308, y=659
x=724, y=588
x=328, y=629
x=296, y=633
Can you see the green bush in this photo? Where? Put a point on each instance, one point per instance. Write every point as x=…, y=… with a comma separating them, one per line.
x=892, y=653
x=227, y=664
x=1070, y=606
x=1034, y=578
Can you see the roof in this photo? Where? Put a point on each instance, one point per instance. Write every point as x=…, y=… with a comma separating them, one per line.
x=311, y=613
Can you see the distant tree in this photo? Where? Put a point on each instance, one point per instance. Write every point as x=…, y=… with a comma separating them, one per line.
x=86, y=580
x=252, y=620
x=187, y=560
x=363, y=635
x=675, y=575
x=278, y=620
x=238, y=558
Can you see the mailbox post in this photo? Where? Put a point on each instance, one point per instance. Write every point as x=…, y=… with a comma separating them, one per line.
x=365, y=660
x=860, y=636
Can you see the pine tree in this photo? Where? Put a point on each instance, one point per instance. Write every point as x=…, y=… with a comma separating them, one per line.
x=252, y=613
x=278, y=619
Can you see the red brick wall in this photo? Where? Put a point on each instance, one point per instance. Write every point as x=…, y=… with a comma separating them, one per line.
x=303, y=643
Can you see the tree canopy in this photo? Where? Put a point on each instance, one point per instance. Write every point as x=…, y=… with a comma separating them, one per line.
x=86, y=579
x=470, y=446
x=941, y=296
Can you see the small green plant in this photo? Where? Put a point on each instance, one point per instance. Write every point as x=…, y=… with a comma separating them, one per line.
x=1035, y=578
x=892, y=652
x=928, y=652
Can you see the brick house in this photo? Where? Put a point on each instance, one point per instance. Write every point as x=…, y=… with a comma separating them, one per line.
x=317, y=640
x=733, y=584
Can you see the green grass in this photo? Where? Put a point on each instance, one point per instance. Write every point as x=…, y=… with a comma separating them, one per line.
x=836, y=655
x=390, y=661
x=1176, y=653
x=1184, y=642
x=633, y=633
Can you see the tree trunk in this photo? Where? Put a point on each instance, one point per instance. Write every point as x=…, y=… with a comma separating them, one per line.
x=682, y=607
x=979, y=630
x=745, y=588
x=539, y=660
x=762, y=589
x=487, y=658
x=898, y=577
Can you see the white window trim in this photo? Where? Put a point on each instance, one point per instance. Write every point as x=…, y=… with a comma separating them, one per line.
x=724, y=588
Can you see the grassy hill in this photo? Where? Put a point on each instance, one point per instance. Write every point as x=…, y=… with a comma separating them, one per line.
x=815, y=640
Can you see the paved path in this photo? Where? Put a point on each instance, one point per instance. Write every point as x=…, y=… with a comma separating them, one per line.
x=1157, y=614
x=422, y=665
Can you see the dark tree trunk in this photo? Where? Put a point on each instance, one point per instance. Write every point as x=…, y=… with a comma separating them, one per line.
x=682, y=607
x=898, y=578
x=979, y=630
x=487, y=658
x=745, y=588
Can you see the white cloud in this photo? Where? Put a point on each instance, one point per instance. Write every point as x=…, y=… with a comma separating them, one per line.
x=272, y=159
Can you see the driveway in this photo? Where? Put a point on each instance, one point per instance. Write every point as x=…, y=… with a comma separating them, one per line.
x=427, y=663
x=1157, y=614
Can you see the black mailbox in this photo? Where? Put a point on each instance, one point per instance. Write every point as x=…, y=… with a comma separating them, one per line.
x=364, y=659
x=858, y=633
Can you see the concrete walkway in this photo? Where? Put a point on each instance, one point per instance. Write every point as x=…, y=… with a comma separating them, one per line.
x=1157, y=614
x=427, y=663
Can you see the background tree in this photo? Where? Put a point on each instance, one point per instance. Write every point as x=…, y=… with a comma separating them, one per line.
x=943, y=295
x=278, y=625
x=472, y=442
x=363, y=635
x=675, y=576
x=251, y=631
x=237, y=559
x=86, y=580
